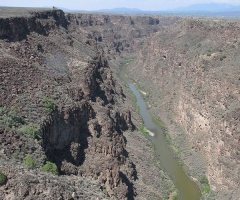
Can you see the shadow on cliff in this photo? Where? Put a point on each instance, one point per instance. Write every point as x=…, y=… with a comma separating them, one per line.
x=18, y=28
x=64, y=140
x=131, y=189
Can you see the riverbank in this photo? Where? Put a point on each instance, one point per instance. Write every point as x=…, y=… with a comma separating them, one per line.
x=186, y=187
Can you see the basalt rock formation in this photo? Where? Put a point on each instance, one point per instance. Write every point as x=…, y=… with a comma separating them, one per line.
x=191, y=71
x=61, y=103
x=57, y=73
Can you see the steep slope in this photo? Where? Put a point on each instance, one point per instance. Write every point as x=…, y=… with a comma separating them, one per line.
x=61, y=103
x=191, y=71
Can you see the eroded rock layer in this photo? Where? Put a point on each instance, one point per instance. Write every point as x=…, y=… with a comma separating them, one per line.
x=191, y=71
x=61, y=103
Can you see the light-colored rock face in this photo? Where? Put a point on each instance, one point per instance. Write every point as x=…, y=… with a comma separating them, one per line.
x=191, y=71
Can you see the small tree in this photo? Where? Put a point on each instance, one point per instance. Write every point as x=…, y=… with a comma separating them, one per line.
x=204, y=180
x=32, y=130
x=50, y=167
x=3, y=178
x=49, y=105
x=29, y=162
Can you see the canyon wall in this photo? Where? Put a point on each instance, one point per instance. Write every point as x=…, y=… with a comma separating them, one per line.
x=61, y=103
x=189, y=68
x=191, y=71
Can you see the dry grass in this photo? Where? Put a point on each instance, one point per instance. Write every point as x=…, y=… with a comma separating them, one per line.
x=7, y=12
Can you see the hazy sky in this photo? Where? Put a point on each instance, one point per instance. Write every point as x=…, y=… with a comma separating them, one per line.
x=99, y=4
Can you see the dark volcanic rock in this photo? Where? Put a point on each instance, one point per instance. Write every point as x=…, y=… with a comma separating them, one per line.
x=55, y=77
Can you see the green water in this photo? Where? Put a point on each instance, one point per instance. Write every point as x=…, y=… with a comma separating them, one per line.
x=187, y=189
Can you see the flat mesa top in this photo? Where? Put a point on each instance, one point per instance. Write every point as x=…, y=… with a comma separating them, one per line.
x=7, y=12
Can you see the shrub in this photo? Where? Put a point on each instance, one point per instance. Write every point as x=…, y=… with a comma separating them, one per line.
x=29, y=162
x=205, y=184
x=204, y=180
x=32, y=130
x=209, y=54
x=81, y=167
x=222, y=57
x=9, y=118
x=50, y=167
x=206, y=189
x=175, y=197
x=3, y=178
x=143, y=130
x=49, y=105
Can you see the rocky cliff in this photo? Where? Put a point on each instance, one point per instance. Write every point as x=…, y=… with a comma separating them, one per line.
x=60, y=103
x=191, y=72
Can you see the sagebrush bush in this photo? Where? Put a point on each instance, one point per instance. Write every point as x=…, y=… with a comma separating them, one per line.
x=32, y=130
x=29, y=162
x=49, y=105
x=50, y=167
x=3, y=178
x=9, y=118
x=204, y=180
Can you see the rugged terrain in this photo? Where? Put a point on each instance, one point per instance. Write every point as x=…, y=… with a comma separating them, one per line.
x=191, y=71
x=61, y=103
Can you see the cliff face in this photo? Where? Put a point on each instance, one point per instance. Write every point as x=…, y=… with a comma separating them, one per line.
x=61, y=103
x=40, y=60
x=57, y=86
x=18, y=28
x=191, y=72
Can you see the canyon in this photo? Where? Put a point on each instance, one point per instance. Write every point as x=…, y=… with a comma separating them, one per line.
x=58, y=75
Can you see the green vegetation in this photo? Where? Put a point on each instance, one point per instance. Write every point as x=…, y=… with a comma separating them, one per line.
x=32, y=130
x=81, y=167
x=9, y=118
x=220, y=50
x=3, y=178
x=29, y=162
x=105, y=191
x=143, y=130
x=134, y=100
x=175, y=197
x=199, y=45
x=168, y=138
x=49, y=105
x=204, y=180
x=223, y=57
x=50, y=167
x=159, y=121
x=209, y=54
x=205, y=184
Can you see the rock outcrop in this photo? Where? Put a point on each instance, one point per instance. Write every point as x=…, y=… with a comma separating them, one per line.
x=191, y=72
x=83, y=134
x=61, y=103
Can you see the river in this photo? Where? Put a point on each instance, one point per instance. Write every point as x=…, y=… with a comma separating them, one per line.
x=187, y=188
